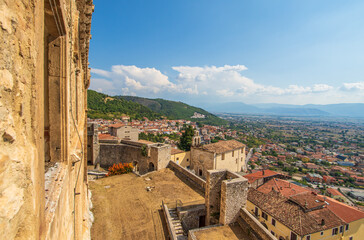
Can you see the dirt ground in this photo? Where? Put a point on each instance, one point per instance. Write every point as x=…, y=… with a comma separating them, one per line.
x=222, y=233
x=124, y=209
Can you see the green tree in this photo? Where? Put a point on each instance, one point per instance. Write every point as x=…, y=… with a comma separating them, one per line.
x=186, y=138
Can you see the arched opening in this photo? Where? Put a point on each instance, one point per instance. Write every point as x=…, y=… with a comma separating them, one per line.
x=136, y=167
x=200, y=172
x=151, y=167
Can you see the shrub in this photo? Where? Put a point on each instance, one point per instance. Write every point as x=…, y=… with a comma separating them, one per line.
x=120, y=168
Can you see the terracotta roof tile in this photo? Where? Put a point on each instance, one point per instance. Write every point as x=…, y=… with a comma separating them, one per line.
x=293, y=215
x=223, y=146
x=334, y=192
x=260, y=174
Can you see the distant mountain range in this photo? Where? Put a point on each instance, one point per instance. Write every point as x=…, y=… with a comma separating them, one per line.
x=339, y=110
x=109, y=107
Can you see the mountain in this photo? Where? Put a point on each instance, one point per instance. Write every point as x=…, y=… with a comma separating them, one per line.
x=103, y=106
x=175, y=110
x=342, y=110
x=109, y=107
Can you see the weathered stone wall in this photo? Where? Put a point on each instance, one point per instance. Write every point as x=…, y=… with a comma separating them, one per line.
x=201, y=161
x=252, y=227
x=233, y=198
x=185, y=174
x=226, y=192
x=190, y=216
x=129, y=152
x=93, y=146
x=30, y=107
x=213, y=195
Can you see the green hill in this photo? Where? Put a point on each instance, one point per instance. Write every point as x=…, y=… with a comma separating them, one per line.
x=176, y=110
x=103, y=106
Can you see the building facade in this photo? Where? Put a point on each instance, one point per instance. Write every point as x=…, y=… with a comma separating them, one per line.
x=124, y=132
x=228, y=155
x=43, y=88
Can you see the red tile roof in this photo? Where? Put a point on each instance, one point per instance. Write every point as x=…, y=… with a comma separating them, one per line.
x=117, y=125
x=223, y=146
x=284, y=187
x=106, y=136
x=334, y=192
x=260, y=174
x=345, y=212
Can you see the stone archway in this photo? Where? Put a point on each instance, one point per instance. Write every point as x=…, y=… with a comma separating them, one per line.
x=151, y=167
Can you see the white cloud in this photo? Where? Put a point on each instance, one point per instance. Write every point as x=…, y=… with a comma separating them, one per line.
x=208, y=83
x=357, y=86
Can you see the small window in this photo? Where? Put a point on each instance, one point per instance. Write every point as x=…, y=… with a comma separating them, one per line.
x=335, y=231
x=272, y=233
x=341, y=229
x=177, y=159
x=241, y=159
x=187, y=160
x=264, y=215
x=273, y=222
x=232, y=154
x=242, y=150
x=322, y=233
x=293, y=236
x=351, y=238
x=223, y=156
x=347, y=227
x=308, y=237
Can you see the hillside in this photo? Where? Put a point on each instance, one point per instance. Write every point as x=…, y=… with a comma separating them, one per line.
x=103, y=106
x=176, y=110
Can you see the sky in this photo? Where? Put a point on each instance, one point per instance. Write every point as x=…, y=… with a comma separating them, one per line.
x=210, y=51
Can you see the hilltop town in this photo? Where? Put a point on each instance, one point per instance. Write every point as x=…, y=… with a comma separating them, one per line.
x=78, y=164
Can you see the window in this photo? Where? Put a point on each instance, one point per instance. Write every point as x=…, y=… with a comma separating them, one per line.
x=232, y=153
x=242, y=150
x=351, y=238
x=272, y=233
x=256, y=212
x=308, y=237
x=264, y=215
x=322, y=233
x=334, y=231
x=347, y=227
x=273, y=222
x=177, y=159
x=293, y=236
x=223, y=156
x=341, y=229
x=187, y=160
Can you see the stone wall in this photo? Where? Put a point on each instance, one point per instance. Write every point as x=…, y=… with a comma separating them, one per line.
x=158, y=155
x=226, y=192
x=44, y=77
x=190, y=216
x=233, y=198
x=252, y=227
x=185, y=174
x=201, y=161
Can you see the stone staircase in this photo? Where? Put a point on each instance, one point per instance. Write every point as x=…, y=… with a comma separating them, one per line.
x=181, y=234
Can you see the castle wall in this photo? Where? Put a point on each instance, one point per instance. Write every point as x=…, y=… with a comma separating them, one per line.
x=129, y=152
x=36, y=125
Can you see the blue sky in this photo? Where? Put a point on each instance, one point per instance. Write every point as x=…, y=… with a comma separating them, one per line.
x=198, y=51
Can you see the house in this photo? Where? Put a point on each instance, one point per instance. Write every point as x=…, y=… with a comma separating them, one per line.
x=123, y=131
x=181, y=157
x=278, y=205
x=328, y=179
x=314, y=178
x=228, y=155
x=258, y=178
